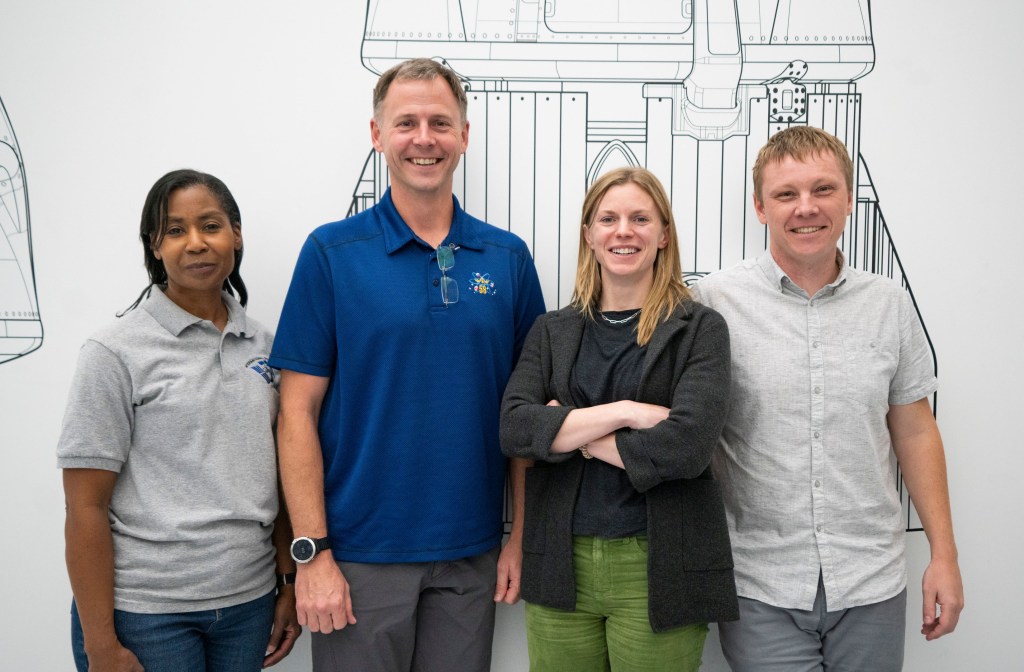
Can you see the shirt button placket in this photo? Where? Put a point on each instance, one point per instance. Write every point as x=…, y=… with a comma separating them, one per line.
x=816, y=357
x=433, y=277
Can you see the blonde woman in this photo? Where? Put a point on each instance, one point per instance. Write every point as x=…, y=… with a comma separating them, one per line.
x=620, y=399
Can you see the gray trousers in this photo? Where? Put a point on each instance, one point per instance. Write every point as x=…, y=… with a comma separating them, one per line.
x=419, y=617
x=772, y=639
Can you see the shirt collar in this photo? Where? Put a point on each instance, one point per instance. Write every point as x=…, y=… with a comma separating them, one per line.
x=176, y=319
x=397, y=233
x=779, y=280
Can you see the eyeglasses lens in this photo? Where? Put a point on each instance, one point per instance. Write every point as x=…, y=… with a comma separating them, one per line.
x=449, y=287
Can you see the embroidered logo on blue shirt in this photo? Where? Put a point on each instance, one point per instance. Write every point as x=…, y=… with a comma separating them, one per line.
x=260, y=366
x=482, y=284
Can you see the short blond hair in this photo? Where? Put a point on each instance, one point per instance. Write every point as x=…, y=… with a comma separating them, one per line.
x=668, y=290
x=801, y=142
x=418, y=69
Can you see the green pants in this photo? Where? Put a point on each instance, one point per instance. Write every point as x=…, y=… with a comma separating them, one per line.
x=609, y=630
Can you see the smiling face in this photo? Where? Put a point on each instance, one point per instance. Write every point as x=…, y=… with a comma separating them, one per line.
x=198, y=246
x=625, y=234
x=421, y=133
x=805, y=205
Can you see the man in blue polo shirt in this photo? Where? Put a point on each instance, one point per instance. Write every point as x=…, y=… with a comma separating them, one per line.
x=399, y=332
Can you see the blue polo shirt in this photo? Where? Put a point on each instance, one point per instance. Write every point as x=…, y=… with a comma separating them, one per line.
x=413, y=471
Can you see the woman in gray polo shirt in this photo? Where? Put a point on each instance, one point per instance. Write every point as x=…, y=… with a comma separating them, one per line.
x=173, y=529
x=620, y=399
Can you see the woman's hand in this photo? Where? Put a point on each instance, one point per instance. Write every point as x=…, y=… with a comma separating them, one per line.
x=642, y=416
x=286, y=626
x=113, y=658
x=89, y=552
x=634, y=414
x=588, y=425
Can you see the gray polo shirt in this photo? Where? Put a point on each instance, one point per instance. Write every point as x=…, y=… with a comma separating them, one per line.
x=185, y=414
x=805, y=459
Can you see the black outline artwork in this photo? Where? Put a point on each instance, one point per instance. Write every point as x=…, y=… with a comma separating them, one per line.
x=21, y=330
x=561, y=91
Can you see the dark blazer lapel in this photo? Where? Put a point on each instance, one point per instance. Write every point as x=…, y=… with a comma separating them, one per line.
x=566, y=332
x=662, y=336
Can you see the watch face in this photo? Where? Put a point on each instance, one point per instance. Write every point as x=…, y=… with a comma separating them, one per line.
x=303, y=549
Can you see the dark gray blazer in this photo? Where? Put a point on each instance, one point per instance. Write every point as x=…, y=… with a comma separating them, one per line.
x=690, y=578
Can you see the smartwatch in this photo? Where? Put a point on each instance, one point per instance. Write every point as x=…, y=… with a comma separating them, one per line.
x=305, y=549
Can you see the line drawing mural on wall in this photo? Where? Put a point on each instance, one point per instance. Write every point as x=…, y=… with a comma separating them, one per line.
x=561, y=91
x=21, y=330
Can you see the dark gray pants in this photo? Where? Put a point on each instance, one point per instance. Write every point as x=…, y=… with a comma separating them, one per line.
x=772, y=639
x=420, y=616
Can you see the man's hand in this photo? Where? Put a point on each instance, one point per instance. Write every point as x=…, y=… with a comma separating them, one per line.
x=943, y=592
x=510, y=568
x=286, y=627
x=322, y=598
x=918, y=447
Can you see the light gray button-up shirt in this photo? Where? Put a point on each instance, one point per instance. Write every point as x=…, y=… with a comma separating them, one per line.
x=805, y=460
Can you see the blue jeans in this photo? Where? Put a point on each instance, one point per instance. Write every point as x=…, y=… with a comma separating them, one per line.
x=233, y=639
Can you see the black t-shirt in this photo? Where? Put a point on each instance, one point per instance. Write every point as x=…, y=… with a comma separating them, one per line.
x=608, y=369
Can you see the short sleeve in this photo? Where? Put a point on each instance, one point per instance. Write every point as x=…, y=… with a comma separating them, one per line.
x=915, y=374
x=98, y=420
x=306, y=334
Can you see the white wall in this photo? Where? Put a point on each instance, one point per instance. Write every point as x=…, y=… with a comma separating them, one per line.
x=108, y=95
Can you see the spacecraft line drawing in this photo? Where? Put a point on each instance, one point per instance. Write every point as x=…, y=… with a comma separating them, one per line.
x=21, y=330
x=560, y=91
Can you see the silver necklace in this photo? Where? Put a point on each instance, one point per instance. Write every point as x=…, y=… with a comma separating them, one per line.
x=622, y=321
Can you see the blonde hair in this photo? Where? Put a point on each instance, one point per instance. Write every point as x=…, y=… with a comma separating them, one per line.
x=418, y=69
x=668, y=290
x=801, y=142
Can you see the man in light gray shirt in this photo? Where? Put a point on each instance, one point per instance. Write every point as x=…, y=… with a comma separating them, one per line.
x=831, y=374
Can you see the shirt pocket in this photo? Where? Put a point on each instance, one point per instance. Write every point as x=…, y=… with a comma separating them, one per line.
x=868, y=366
